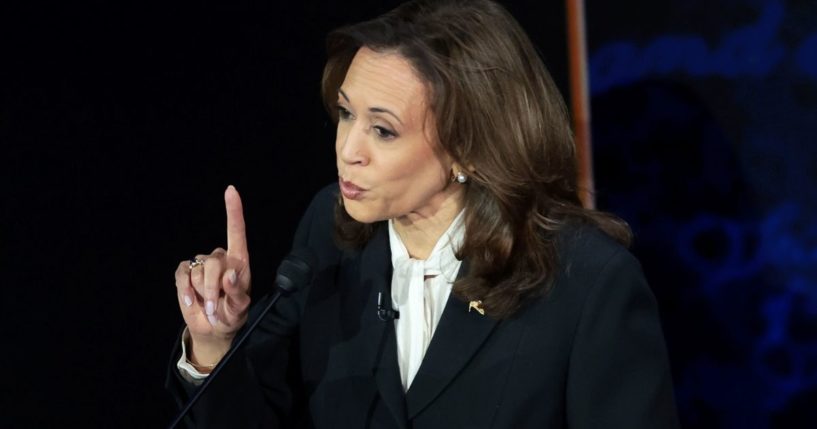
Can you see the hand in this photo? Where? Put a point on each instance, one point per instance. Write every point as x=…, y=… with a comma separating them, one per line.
x=214, y=298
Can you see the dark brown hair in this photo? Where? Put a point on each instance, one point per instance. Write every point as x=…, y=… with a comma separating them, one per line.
x=497, y=110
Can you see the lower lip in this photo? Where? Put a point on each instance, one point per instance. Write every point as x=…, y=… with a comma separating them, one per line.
x=349, y=191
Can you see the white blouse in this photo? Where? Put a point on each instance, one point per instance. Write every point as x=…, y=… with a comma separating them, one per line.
x=419, y=291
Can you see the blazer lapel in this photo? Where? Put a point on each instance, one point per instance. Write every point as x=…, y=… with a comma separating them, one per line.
x=375, y=274
x=457, y=337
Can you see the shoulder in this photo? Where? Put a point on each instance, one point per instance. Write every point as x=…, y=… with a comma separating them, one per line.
x=583, y=247
x=321, y=208
x=324, y=200
x=591, y=262
x=316, y=227
x=618, y=371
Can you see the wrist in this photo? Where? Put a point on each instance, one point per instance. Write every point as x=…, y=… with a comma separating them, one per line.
x=202, y=369
x=205, y=354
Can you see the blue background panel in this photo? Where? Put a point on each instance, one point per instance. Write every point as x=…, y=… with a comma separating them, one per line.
x=703, y=123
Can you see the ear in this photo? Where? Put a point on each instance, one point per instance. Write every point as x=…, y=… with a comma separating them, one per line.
x=457, y=167
x=458, y=174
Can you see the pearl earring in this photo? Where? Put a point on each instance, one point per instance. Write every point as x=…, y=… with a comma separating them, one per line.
x=461, y=177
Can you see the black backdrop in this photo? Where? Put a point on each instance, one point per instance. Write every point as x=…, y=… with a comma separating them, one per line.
x=120, y=128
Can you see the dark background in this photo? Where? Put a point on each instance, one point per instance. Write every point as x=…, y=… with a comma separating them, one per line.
x=121, y=126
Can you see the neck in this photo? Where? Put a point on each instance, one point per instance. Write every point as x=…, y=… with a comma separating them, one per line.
x=420, y=230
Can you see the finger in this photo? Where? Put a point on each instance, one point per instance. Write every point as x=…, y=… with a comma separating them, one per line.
x=183, y=288
x=236, y=299
x=196, y=275
x=213, y=269
x=236, y=231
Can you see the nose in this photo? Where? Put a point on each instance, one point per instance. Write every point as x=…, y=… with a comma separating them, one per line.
x=351, y=145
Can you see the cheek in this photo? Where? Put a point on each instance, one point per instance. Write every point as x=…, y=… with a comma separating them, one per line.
x=415, y=181
x=340, y=136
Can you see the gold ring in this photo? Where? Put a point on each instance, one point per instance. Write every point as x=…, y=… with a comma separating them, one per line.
x=195, y=262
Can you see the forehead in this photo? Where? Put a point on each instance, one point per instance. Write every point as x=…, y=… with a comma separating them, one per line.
x=384, y=79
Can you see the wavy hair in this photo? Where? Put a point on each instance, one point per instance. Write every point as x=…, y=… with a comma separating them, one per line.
x=497, y=111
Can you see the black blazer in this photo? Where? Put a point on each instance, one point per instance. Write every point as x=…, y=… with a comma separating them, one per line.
x=589, y=355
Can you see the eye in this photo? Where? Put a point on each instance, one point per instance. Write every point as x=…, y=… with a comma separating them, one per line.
x=384, y=133
x=343, y=113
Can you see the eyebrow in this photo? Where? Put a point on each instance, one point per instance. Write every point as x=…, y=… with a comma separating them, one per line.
x=372, y=109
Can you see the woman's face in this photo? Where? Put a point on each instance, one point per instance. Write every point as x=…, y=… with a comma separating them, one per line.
x=387, y=163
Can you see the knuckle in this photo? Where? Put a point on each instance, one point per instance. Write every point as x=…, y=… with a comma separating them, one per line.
x=183, y=270
x=212, y=264
x=197, y=281
x=196, y=273
x=181, y=282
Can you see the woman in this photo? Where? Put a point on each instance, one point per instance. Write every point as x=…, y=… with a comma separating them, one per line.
x=513, y=305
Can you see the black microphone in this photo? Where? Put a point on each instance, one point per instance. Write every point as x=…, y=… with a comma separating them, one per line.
x=294, y=272
x=385, y=313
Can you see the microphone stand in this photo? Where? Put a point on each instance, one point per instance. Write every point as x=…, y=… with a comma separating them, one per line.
x=213, y=374
x=294, y=271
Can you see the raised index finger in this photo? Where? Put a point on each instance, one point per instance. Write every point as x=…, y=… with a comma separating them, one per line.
x=236, y=232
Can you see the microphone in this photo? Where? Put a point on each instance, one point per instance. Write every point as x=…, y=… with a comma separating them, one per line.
x=385, y=313
x=294, y=272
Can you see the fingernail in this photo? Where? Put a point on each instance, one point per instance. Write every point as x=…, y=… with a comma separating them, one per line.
x=232, y=277
x=212, y=320
x=187, y=301
x=210, y=308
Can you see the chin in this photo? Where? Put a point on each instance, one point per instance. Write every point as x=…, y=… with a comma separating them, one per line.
x=360, y=212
